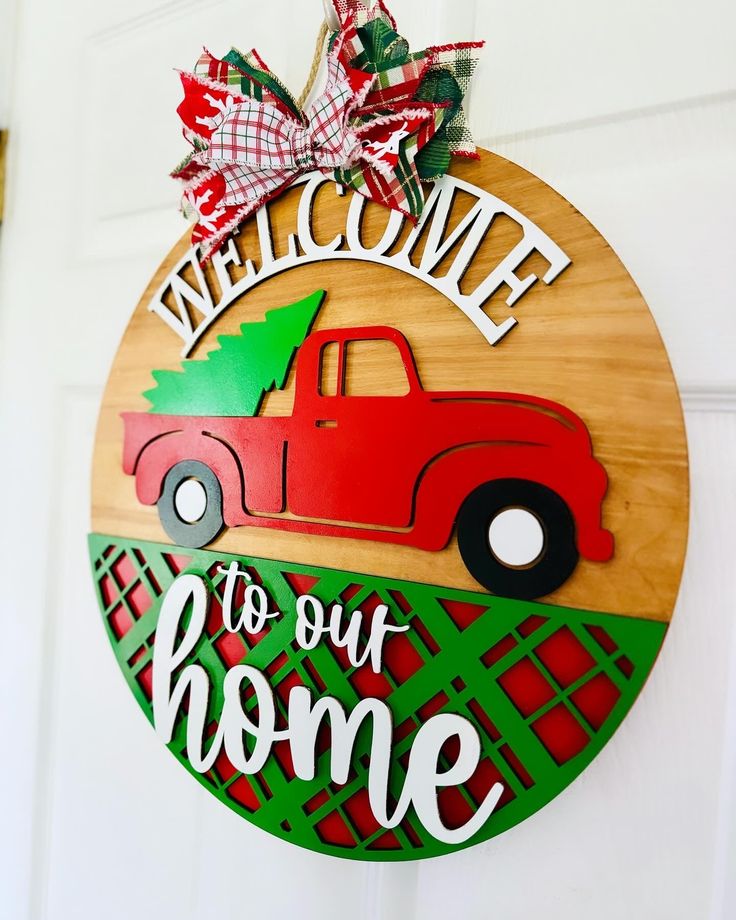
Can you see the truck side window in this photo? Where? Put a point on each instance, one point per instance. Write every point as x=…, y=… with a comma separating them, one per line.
x=374, y=367
x=328, y=370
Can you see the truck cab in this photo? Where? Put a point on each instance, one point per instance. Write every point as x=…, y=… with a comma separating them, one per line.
x=357, y=407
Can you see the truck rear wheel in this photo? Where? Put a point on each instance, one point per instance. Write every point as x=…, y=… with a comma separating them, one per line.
x=190, y=507
x=517, y=538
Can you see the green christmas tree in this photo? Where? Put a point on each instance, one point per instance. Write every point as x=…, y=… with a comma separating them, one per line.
x=233, y=379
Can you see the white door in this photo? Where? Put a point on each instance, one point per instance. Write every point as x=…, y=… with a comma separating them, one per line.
x=629, y=109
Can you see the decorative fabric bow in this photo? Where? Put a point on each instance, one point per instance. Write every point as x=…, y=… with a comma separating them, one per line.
x=386, y=121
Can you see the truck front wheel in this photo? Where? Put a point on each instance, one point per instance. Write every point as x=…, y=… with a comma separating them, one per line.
x=190, y=507
x=517, y=538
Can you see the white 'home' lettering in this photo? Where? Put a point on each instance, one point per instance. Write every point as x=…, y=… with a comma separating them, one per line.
x=248, y=743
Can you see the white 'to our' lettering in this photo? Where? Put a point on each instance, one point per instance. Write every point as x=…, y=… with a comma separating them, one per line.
x=310, y=629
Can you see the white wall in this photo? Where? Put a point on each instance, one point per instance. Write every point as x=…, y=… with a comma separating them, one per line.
x=628, y=109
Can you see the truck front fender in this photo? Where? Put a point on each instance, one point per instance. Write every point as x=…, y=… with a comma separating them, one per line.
x=164, y=453
x=446, y=482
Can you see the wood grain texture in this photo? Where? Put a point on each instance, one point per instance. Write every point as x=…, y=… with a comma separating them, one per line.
x=588, y=341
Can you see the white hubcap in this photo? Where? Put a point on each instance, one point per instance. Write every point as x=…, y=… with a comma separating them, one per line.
x=516, y=537
x=190, y=501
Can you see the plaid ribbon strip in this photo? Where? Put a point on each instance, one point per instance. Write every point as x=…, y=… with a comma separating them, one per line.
x=258, y=149
x=386, y=121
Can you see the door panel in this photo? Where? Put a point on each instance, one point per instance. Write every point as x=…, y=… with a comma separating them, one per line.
x=635, y=124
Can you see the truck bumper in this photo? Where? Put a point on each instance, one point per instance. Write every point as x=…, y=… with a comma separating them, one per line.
x=596, y=544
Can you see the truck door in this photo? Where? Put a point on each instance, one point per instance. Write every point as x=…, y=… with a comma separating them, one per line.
x=354, y=462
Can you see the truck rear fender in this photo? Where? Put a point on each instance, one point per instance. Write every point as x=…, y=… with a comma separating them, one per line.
x=450, y=478
x=142, y=430
x=163, y=454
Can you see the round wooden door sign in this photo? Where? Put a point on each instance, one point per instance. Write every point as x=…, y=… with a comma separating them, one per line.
x=389, y=520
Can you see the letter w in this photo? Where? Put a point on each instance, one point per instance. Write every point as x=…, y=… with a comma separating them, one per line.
x=178, y=318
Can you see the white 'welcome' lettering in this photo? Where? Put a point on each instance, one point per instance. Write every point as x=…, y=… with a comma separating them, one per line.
x=190, y=310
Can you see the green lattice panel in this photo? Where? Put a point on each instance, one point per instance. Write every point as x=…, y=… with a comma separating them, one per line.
x=545, y=686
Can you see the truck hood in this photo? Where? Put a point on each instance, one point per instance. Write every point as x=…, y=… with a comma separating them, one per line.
x=548, y=421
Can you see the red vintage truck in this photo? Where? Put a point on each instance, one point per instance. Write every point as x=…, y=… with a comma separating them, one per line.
x=514, y=474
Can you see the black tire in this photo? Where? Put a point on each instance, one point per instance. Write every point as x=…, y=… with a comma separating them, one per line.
x=192, y=534
x=559, y=555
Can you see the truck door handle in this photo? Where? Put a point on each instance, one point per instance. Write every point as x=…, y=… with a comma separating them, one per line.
x=327, y=423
